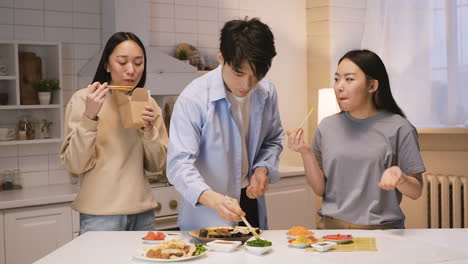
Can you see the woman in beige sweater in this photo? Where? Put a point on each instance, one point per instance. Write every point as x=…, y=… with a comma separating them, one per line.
x=115, y=194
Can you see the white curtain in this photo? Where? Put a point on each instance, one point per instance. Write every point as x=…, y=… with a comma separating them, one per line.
x=426, y=54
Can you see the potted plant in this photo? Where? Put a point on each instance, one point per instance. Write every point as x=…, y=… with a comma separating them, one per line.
x=182, y=55
x=45, y=88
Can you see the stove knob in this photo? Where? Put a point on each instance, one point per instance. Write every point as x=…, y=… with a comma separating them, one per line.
x=173, y=204
x=158, y=206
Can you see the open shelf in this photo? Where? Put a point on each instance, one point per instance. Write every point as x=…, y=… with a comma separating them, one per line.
x=32, y=141
x=19, y=107
x=443, y=130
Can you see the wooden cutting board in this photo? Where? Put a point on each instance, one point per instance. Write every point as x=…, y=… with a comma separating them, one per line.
x=30, y=69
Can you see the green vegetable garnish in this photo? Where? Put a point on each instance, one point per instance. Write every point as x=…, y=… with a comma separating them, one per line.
x=199, y=249
x=258, y=243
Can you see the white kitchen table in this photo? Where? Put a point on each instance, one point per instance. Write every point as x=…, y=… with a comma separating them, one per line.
x=394, y=246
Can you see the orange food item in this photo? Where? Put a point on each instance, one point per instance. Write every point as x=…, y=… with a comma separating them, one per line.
x=154, y=236
x=338, y=237
x=311, y=239
x=299, y=231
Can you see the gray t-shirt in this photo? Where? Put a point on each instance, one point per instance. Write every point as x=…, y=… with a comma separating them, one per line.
x=353, y=154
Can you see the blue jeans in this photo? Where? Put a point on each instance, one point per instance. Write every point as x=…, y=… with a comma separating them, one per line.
x=135, y=222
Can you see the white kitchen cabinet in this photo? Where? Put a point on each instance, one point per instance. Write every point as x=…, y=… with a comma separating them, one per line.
x=290, y=202
x=33, y=232
x=2, y=241
x=51, y=61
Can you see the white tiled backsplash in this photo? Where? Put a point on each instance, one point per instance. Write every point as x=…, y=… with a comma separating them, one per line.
x=39, y=164
x=76, y=23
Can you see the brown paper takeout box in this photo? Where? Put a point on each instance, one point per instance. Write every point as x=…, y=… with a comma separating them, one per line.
x=130, y=108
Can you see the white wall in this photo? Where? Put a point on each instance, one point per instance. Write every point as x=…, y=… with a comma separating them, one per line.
x=76, y=23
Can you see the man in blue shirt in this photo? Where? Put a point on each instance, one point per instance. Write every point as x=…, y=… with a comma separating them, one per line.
x=225, y=133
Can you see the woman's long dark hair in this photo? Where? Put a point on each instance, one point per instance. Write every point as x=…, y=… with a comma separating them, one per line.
x=101, y=74
x=371, y=64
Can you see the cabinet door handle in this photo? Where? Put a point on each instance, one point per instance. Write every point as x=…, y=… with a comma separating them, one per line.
x=173, y=204
x=158, y=207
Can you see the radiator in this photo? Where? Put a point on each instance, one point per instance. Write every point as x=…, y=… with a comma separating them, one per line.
x=447, y=200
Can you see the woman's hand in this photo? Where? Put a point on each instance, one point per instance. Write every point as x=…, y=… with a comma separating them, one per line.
x=148, y=116
x=392, y=178
x=296, y=142
x=94, y=99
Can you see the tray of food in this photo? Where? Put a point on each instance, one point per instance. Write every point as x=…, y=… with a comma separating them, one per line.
x=233, y=233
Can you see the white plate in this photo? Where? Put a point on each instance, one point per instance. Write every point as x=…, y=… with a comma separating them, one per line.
x=339, y=241
x=141, y=255
x=151, y=241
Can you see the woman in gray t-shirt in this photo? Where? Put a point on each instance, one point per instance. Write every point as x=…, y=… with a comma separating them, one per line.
x=364, y=158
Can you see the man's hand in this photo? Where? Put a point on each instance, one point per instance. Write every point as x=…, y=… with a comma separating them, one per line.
x=258, y=183
x=228, y=208
x=392, y=178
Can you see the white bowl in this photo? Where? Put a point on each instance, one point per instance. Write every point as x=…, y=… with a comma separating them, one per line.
x=324, y=246
x=173, y=235
x=300, y=245
x=257, y=250
x=223, y=245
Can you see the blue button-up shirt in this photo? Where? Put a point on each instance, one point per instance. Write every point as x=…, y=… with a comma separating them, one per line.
x=205, y=149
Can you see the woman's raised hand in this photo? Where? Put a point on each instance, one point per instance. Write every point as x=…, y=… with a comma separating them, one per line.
x=296, y=141
x=94, y=99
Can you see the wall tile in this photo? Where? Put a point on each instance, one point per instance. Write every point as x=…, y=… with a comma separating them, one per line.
x=208, y=41
x=68, y=83
x=67, y=51
x=83, y=20
x=163, y=1
x=68, y=67
x=36, y=178
x=59, y=177
x=54, y=162
x=87, y=6
x=8, y=32
x=185, y=12
x=29, y=4
x=162, y=10
x=29, y=33
x=227, y=14
x=247, y=4
x=59, y=5
x=34, y=163
x=250, y=13
x=86, y=51
x=32, y=149
x=186, y=26
x=29, y=17
x=186, y=38
x=79, y=64
x=59, y=34
x=54, y=148
x=208, y=27
x=231, y=4
x=6, y=3
x=8, y=163
x=8, y=151
x=162, y=24
x=185, y=2
x=58, y=19
x=6, y=16
x=210, y=3
x=86, y=36
x=162, y=39
x=207, y=13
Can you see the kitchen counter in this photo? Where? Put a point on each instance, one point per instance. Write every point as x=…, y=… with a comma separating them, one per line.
x=394, y=246
x=41, y=195
x=63, y=193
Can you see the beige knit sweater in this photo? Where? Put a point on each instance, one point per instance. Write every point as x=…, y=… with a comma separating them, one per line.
x=111, y=159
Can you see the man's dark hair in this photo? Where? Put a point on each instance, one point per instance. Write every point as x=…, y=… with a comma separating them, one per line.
x=248, y=39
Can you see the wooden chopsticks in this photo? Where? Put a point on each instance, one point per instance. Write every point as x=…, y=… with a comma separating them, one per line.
x=120, y=87
x=250, y=227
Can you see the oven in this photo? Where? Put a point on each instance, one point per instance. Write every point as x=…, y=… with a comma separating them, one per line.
x=166, y=196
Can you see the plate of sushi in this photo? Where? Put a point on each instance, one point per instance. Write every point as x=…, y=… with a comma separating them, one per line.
x=233, y=233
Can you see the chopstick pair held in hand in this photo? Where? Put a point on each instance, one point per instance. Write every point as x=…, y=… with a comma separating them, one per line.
x=288, y=132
